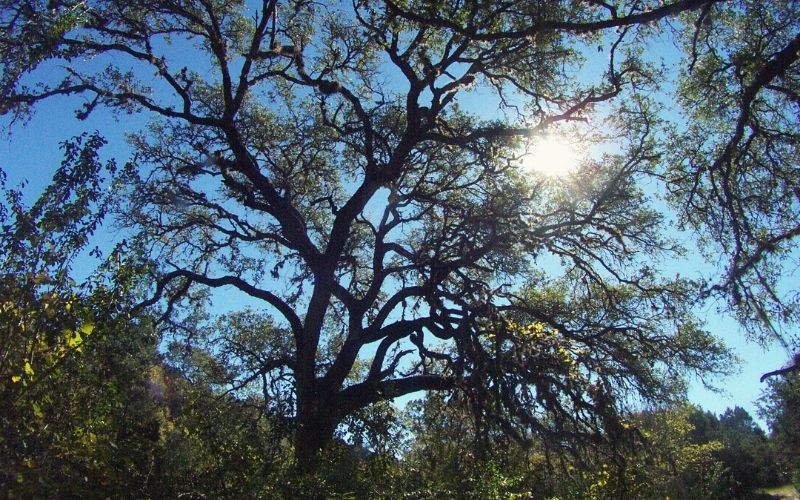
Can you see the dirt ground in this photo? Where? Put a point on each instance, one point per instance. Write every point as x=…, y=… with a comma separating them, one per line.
x=783, y=493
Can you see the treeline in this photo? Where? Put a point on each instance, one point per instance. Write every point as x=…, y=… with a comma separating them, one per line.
x=117, y=419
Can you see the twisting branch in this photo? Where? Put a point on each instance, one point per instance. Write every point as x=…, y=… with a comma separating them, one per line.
x=267, y=296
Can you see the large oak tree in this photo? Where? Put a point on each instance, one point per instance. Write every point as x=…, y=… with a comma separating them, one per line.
x=322, y=160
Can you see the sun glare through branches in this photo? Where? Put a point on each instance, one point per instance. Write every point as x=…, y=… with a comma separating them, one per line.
x=551, y=155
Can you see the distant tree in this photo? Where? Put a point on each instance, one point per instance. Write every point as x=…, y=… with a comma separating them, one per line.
x=321, y=160
x=780, y=406
x=705, y=426
x=746, y=452
x=676, y=462
x=448, y=455
x=90, y=409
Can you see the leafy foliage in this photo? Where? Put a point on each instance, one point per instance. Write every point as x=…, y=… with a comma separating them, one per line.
x=734, y=177
x=321, y=161
x=54, y=330
x=779, y=405
x=90, y=408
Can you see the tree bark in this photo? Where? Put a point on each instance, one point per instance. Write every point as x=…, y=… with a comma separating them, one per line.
x=316, y=423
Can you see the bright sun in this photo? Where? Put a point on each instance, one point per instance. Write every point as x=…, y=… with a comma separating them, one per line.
x=551, y=155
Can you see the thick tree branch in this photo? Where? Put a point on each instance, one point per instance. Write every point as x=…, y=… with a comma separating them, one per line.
x=539, y=26
x=272, y=299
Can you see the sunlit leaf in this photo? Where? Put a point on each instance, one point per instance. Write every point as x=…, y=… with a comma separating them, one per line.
x=75, y=339
x=37, y=410
x=87, y=328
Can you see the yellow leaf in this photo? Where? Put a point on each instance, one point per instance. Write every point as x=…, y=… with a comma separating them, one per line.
x=28, y=369
x=16, y=378
x=87, y=328
x=74, y=340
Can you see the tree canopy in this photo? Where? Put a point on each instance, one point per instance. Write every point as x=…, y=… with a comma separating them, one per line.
x=337, y=165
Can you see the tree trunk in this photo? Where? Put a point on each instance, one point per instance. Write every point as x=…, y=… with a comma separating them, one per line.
x=314, y=431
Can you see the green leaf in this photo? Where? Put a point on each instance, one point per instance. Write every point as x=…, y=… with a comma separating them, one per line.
x=29, y=369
